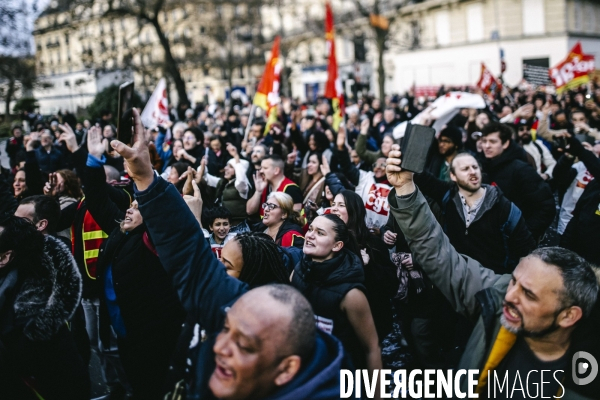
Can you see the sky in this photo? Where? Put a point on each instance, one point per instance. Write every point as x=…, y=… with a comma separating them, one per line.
x=23, y=33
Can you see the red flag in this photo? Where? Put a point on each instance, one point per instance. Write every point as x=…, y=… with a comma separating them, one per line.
x=333, y=87
x=487, y=82
x=573, y=71
x=267, y=95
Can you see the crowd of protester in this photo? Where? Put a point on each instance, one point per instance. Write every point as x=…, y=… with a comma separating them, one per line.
x=217, y=259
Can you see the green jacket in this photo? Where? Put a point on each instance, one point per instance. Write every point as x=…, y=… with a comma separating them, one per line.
x=472, y=290
x=368, y=156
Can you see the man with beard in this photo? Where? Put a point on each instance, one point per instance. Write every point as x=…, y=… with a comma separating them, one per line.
x=448, y=144
x=537, y=319
x=544, y=162
x=479, y=221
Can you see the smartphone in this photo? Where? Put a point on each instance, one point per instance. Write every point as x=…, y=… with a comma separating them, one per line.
x=125, y=116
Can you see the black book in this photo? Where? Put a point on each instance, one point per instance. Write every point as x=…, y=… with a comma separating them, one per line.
x=415, y=146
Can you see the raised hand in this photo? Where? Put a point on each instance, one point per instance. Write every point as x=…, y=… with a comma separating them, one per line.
x=233, y=152
x=189, y=176
x=137, y=157
x=325, y=169
x=364, y=126
x=341, y=138
x=377, y=118
x=68, y=136
x=260, y=183
x=291, y=158
x=195, y=202
x=401, y=180
x=94, y=142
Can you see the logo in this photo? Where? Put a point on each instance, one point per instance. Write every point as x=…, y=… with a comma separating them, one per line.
x=583, y=364
x=377, y=199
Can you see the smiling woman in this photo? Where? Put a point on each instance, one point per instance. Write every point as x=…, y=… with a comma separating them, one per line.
x=280, y=221
x=331, y=277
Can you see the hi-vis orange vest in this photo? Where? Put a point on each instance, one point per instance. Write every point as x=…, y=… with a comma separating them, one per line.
x=92, y=237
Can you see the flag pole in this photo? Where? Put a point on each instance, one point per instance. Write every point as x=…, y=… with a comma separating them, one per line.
x=250, y=121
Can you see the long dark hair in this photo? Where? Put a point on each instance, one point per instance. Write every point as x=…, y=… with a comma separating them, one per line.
x=262, y=262
x=342, y=233
x=356, y=217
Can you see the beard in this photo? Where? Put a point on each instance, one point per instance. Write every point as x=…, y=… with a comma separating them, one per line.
x=526, y=139
x=521, y=331
x=468, y=186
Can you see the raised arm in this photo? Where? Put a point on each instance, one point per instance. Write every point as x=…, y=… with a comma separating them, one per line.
x=361, y=144
x=457, y=276
x=199, y=278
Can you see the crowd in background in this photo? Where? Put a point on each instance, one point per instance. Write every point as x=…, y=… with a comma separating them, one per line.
x=295, y=203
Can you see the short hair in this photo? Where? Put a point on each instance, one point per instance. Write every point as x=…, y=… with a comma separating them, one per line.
x=503, y=130
x=301, y=332
x=179, y=125
x=197, y=133
x=217, y=212
x=579, y=280
x=578, y=111
x=44, y=207
x=112, y=174
x=462, y=154
x=277, y=161
x=263, y=262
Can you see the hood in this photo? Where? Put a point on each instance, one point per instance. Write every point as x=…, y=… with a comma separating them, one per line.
x=319, y=379
x=513, y=152
x=492, y=196
x=346, y=267
x=44, y=304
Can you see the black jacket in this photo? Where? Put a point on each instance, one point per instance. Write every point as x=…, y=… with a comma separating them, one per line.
x=206, y=290
x=151, y=312
x=35, y=337
x=325, y=284
x=582, y=234
x=521, y=184
x=483, y=239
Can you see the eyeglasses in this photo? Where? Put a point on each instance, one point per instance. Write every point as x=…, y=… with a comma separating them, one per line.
x=381, y=165
x=269, y=206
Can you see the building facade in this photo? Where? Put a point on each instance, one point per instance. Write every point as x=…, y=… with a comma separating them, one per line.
x=455, y=37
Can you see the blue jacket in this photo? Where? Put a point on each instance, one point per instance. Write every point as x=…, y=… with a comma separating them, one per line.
x=206, y=290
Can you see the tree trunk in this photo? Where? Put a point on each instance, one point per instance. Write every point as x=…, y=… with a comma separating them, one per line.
x=10, y=92
x=171, y=64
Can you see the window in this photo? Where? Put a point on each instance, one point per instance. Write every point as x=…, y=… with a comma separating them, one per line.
x=474, y=22
x=442, y=28
x=533, y=17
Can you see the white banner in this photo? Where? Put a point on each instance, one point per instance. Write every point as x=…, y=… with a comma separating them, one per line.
x=156, y=111
x=442, y=110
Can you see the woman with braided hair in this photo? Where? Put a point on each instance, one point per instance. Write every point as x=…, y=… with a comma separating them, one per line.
x=254, y=258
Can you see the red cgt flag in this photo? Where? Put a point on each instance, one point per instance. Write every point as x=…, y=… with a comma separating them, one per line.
x=267, y=94
x=333, y=86
x=573, y=71
x=487, y=82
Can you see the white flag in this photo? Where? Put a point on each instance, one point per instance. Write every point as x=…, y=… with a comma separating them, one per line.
x=156, y=111
x=442, y=110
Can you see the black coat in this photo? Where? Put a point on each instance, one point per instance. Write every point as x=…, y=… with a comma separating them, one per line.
x=35, y=335
x=521, y=184
x=483, y=239
x=150, y=309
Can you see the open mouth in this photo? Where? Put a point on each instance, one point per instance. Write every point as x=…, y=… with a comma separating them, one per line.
x=127, y=219
x=223, y=372
x=511, y=314
x=309, y=244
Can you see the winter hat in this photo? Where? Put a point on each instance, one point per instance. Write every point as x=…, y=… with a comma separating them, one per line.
x=454, y=134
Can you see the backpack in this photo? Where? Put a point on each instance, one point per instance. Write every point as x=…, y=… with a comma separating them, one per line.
x=507, y=227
